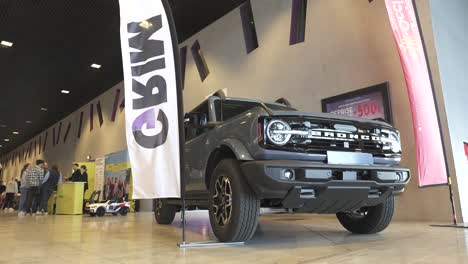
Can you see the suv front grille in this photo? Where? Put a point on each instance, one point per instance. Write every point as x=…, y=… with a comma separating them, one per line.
x=312, y=136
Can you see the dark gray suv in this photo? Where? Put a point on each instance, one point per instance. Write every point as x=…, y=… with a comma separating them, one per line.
x=242, y=155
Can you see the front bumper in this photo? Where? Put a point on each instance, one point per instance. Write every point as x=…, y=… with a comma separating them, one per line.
x=324, y=188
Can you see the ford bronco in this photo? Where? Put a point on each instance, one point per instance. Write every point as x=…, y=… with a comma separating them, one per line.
x=241, y=155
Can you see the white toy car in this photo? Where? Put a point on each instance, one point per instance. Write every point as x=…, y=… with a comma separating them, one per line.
x=109, y=207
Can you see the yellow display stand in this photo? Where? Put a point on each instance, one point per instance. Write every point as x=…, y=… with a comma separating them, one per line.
x=70, y=198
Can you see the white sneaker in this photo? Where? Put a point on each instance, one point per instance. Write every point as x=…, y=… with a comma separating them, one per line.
x=21, y=213
x=45, y=213
x=11, y=210
x=39, y=213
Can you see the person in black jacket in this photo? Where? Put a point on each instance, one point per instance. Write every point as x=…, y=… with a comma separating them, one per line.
x=76, y=176
x=84, y=176
x=49, y=184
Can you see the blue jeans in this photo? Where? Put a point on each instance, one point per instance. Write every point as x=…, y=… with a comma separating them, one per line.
x=46, y=192
x=23, y=199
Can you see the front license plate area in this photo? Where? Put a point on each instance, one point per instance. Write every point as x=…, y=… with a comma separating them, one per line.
x=349, y=158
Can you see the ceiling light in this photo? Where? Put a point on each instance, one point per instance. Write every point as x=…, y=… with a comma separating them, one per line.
x=65, y=91
x=15, y=133
x=96, y=66
x=43, y=109
x=6, y=44
x=6, y=139
x=3, y=126
x=28, y=121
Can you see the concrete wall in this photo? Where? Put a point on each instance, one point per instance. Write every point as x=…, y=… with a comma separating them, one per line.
x=349, y=45
x=450, y=20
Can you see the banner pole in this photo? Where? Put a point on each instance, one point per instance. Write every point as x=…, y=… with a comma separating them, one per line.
x=449, y=179
x=180, y=106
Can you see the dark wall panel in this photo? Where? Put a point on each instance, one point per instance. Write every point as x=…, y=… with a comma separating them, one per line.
x=66, y=132
x=248, y=26
x=80, y=125
x=116, y=105
x=99, y=112
x=200, y=62
x=91, y=117
x=57, y=140
x=298, y=21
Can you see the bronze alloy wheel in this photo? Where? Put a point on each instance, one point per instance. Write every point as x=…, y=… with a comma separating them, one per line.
x=222, y=201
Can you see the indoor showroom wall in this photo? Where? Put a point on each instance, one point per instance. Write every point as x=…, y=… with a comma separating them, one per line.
x=348, y=45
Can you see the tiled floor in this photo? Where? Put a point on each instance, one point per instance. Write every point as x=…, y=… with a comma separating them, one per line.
x=281, y=239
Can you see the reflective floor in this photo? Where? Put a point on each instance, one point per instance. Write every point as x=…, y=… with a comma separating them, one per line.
x=281, y=239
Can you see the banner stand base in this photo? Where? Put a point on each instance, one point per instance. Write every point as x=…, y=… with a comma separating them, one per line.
x=462, y=225
x=209, y=244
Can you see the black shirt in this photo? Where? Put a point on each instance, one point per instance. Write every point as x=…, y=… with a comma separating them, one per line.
x=76, y=176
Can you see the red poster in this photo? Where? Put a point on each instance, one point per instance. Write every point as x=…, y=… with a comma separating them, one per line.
x=429, y=150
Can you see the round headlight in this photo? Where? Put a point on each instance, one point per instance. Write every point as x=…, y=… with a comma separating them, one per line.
x=395, y=141
x=277, y=132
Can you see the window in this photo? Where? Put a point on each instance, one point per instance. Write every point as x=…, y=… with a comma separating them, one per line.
x=248, y=26
x=298, y=21
x=192, y=131
x=231, y=108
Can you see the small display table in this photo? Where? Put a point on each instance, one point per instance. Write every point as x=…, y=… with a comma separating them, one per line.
x=70, y=198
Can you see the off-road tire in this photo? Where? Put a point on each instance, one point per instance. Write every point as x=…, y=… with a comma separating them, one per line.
x=376, y=220
x=101, y=211
x=245, y=206
x=164, y=212
x=123, y=211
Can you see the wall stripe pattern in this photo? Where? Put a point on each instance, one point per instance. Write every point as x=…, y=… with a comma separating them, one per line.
x=248, y=26
x=91, y=117
x=80, y=124
x=200, y=61
x=298, y=21
x=67, y=132
x=99, y=112
x=58, y=133
x=115, y=105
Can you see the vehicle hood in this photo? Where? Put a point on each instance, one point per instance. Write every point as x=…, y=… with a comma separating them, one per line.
x=327, y=116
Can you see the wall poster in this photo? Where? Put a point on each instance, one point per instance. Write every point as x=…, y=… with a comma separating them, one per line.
x=99, y=174
x=371, y=103
x=117, y=177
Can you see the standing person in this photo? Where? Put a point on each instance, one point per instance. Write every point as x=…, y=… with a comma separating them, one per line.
x=38, y=198
x=11, y=191
x=23, y=190
x=34, y=179
x=76, y=175
x=84, y=176
x=49, y=184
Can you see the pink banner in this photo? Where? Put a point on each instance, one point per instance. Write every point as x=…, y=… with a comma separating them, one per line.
x=429, y=150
